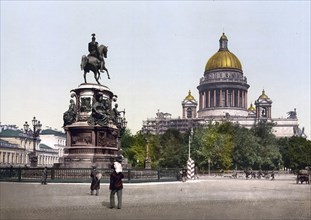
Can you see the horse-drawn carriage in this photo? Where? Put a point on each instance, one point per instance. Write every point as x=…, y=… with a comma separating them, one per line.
x=303, y=176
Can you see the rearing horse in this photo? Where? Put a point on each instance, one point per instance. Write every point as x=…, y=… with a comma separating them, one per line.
x=91, y=63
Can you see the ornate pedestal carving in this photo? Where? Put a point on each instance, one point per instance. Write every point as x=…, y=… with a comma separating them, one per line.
x=93, y=127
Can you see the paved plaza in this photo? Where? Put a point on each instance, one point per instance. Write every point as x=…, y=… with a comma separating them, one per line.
x=206, y=198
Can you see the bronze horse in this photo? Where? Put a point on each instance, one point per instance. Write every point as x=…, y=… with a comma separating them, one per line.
x=91, y=63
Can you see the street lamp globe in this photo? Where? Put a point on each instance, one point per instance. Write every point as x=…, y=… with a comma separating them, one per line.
x=26, y=126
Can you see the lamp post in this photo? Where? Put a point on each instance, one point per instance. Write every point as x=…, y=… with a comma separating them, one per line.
x=33, y=157
x=121, y=128
x=147, y=161
x=190, y=140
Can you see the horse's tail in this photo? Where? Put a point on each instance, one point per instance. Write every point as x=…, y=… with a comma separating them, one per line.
x=84, y=61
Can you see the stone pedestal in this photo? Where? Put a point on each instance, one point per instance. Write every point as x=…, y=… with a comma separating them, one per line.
x=93, y=134
x=147, y=164
x=33, y=158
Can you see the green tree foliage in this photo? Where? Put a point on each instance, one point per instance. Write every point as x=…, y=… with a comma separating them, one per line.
x=268, y=154
x=296, y=152
x=225, y=144
x=136, y=153
x=172, y=149
x=127, y=141
x=245, y=148
x=215, y=144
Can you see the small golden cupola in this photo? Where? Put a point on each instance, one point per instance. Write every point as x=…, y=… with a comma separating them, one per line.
x=189, y=97
x=263, y=95
x=189, y=106
x=251, y=108
x=223, y=58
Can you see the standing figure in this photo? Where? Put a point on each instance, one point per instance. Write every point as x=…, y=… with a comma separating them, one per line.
x=196, y=173
x=272, y=175
x=44, y=176
x=95, y=184
x=116, y=186
x=184, y=174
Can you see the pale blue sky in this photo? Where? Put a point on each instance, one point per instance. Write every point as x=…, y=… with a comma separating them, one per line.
x=157, y=52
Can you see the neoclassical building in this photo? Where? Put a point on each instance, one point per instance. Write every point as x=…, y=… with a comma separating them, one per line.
x=16, y=145
x=222, y=94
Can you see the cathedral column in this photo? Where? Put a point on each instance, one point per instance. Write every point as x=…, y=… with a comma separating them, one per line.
x=204, y=100
x=209, y=98
x=220, y=98
x=233, y=97
x=215, y=98
x=244, y=96
x=246, y=99
x=227, y=98
x=239, y=101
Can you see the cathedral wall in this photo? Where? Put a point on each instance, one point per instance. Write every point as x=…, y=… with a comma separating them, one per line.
x=222, y=112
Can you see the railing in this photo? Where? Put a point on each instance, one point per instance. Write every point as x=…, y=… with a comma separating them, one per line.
x=81, y=175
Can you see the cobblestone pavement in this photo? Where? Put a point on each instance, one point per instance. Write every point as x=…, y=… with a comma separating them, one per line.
x=206, y=198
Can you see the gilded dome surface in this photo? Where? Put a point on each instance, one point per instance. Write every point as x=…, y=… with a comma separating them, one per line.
x=189, y=97
x=251, y=108
x=223, y=58
x=263, y=95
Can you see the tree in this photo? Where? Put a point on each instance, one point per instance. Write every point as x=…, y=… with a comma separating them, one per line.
x=268, y=154
x=172, y=149
x=126, y=142
x=245, y=148
x=135, y=151
x=296, y=152
x=214, y=144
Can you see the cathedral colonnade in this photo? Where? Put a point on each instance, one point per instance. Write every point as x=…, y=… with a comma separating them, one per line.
x=223, y=98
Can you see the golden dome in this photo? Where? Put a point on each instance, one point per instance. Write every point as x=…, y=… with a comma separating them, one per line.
x=263, y=95
x=189, y=97
x=251, y=108
x=223, y=58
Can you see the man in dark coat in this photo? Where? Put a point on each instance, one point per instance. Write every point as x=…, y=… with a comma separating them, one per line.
x=44, y=176
x=116, y=186
x=95, y=185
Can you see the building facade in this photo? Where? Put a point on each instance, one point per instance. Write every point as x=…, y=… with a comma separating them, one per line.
x=223, y=91
x=16, y=145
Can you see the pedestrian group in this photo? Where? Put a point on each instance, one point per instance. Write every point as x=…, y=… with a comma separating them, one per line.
x=116, y=183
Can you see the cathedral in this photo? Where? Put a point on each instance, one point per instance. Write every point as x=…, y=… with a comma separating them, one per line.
x=223, y=93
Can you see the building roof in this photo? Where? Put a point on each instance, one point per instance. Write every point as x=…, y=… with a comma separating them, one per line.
x=223, y=58
x=11, y=133
x=44, y=146
x=52, y=132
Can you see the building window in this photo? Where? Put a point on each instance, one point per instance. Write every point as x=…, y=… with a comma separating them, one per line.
x=189, y=112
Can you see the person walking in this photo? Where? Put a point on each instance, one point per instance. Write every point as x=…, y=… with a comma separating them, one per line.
x=44, y=176
x=95, y=184
x=116, y=186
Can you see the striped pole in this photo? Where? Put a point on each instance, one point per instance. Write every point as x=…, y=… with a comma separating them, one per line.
x=190, y=169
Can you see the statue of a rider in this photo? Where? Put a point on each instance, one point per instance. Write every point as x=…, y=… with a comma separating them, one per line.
x=93, y=51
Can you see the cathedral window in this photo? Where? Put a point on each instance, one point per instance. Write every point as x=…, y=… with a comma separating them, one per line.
x=189, y=112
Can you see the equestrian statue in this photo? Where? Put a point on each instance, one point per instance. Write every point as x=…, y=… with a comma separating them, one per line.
x=94, y=61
